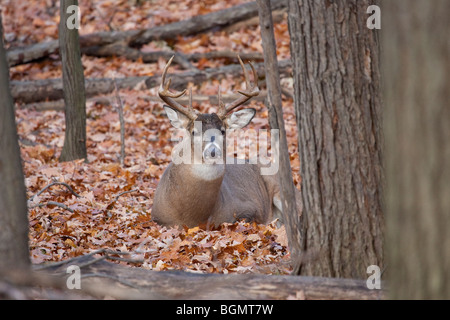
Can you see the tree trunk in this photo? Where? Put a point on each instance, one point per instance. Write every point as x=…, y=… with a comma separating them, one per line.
x=338, y=110
x=291, y=215
x=416, y=64
x=14, y=252
x=73, y=86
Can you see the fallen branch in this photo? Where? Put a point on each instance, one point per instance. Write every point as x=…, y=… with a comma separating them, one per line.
x=278, y=16
x=120, y=49
x=51, y=203
x=133, y=38
x=53, y=184
x=225, y=55
x=51, y=89
x=107, y=254
x=58, y=105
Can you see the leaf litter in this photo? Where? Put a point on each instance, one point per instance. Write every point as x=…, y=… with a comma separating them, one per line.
x=114, y=207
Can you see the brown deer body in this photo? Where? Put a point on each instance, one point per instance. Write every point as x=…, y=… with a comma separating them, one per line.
x=217, y=191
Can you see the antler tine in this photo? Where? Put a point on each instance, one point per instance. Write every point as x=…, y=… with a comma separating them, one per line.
x=190, y=100
x=222, y=111
x=247, y=81
x=168, y=97
x=250, y=91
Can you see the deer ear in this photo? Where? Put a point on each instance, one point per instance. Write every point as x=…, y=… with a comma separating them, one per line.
x=177, y=119
x=240, y=119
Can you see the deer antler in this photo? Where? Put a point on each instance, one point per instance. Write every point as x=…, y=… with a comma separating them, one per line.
x=250, y=92
x=168, y=97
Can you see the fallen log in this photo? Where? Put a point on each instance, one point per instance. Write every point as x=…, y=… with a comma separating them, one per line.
x=21, y=55
x=137, y=283
x=120, y=49
x=51, y=89
x=58, y=105
x=131, y=38
x=203, y=23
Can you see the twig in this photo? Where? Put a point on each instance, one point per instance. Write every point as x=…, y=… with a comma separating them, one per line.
x=111, y=204
x=105, y=251
x=62, y=262
x=122, y=124
x=52, y=203
x=124, y=192
x=56, y=183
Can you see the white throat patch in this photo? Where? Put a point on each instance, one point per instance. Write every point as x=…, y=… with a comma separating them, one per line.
x=208, y=172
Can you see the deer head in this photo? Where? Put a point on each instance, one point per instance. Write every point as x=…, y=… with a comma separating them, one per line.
x=210, y=128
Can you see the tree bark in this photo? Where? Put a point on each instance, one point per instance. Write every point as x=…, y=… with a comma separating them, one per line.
x=274, y=103
x=73, y=87
x=416, y=64
x=338, y=111
x=13, y=202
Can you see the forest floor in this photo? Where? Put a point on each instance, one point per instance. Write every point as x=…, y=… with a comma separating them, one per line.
x=104, y=214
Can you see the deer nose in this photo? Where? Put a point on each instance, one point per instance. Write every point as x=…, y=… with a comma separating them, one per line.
x=212, y=151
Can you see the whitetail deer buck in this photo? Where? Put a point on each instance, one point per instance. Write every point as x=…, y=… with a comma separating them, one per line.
x=202, y=192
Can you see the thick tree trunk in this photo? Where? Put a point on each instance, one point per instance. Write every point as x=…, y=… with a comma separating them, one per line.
x=416, y=64
x=13, y=202
x=338, y=110
x=73, y=86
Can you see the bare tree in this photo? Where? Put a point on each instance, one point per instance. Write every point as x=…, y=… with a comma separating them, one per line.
x=338, y=110
x=416, y=64
x=291, y=211
x=13, y=203
x=73, y=84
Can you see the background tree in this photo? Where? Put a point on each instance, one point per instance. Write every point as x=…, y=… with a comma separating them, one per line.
x=336, y=82
x=291, y=211
x=13, y=202
x=73, y=84
x=416, y=78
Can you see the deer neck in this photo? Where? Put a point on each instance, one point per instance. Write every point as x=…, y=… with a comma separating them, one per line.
x=199, y=186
